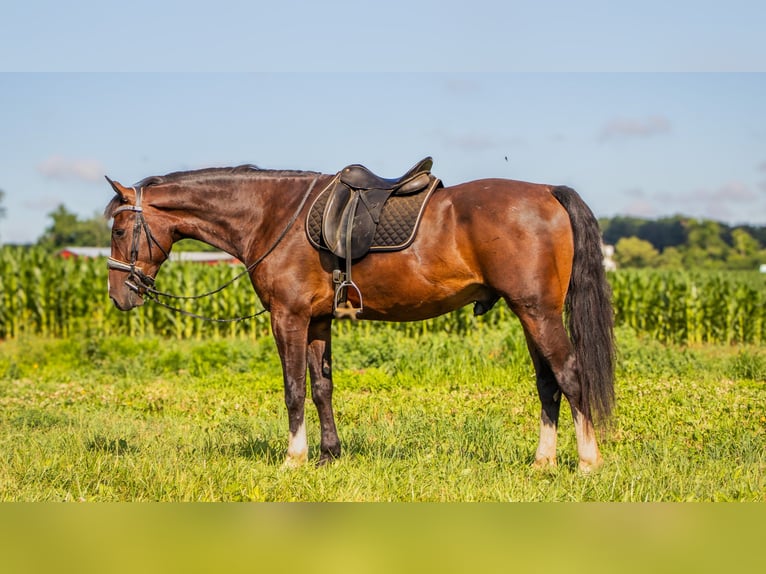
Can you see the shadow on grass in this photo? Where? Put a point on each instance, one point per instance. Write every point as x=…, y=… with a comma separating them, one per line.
x=265, y=450
x=103, y=444
x=38, y=419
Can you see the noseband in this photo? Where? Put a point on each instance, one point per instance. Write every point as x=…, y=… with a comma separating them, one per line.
x=137, y=280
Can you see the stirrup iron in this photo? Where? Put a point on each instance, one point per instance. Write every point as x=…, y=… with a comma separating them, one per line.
x=341, y=306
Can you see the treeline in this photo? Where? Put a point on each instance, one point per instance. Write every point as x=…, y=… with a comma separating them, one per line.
x=681, y=242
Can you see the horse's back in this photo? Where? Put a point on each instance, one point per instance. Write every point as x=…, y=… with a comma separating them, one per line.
x=477, y=240
x=502, y=210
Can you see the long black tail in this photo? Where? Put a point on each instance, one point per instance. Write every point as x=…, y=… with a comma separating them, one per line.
x=589, y=309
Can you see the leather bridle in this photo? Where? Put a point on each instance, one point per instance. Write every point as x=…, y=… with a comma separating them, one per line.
x=137, y=280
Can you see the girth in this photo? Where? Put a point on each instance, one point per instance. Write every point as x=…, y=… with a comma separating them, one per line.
x=360, y=212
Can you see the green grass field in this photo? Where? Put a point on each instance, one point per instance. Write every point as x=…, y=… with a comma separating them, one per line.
x=432, y=418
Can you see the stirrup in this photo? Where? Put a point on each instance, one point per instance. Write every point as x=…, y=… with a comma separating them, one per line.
x=341, y=306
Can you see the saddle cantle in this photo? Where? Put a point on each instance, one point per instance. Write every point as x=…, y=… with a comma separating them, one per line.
x=360, y=212
x=359, y=177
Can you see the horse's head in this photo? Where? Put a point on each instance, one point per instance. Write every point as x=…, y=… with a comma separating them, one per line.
x=141, y=241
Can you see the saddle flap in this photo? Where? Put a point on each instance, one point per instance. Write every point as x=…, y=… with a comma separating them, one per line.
x=350, y=219
x=333, y=217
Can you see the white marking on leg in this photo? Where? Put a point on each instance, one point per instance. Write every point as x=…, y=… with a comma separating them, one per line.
x=546, y=448
x=587, y=449
x=297, y=447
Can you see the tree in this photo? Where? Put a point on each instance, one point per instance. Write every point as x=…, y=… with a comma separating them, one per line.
x=706, y=247
x=745, y=252
x=2, y=207
x=671, y=258
x=635, y=252
x=67, y=230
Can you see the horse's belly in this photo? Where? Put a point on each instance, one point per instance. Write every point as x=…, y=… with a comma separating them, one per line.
x=406, y=291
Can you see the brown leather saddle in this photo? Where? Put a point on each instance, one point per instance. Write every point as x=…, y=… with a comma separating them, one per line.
x=363, y=212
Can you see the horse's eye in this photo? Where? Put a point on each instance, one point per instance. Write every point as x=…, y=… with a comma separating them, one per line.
x=118, y=233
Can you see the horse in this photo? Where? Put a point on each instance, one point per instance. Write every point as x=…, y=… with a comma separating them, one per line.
x=536, y=246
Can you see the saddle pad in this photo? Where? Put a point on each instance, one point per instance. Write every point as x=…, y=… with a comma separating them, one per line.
x=398, y=221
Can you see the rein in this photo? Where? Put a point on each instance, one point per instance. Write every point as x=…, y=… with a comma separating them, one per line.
x=138, y=280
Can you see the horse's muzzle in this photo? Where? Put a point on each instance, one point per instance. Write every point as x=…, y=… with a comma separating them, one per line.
x=128, y=300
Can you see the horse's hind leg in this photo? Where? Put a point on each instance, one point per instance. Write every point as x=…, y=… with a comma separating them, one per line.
x=552, y=353
x=550, y=399
x=320, y=372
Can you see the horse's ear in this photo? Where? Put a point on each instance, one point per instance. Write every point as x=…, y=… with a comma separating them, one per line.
x=124, y=192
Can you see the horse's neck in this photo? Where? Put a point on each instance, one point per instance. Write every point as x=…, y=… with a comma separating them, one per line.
x=235, y=218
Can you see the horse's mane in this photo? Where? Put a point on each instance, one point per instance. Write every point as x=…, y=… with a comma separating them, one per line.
x=199, y=175
x=246, y=170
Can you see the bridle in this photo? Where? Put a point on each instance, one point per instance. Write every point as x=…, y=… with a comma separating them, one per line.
x=143, y=284
x=137, y=280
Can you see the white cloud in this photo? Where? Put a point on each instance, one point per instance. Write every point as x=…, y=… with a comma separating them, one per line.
x=641, y=208
x=42, y=204
x=475, y=141
x=733, y=202
x=461, y=86
x=731, y=192
x=66, y=169
x=624, y=128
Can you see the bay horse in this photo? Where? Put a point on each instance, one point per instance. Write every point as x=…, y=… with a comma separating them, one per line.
x=536, y=246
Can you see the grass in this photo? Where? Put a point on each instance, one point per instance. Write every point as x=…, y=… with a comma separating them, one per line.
x=429, y=418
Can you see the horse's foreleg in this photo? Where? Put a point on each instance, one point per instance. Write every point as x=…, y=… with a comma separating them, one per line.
x=320, y=371
x=290, y=333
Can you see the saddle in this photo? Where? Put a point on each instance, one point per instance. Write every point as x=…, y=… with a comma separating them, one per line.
x=352, y=213
x=348, y=219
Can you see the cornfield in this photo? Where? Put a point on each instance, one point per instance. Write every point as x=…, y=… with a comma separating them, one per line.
x=50, y=296
x=692, y=307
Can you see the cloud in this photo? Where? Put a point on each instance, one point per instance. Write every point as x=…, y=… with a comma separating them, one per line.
x=734, y=191
x=641, y=208
x=42, y=204
x=727, y=193
x=476, y=141
x=626, y=128
x=461, y=86
x=65, y=169
x=731, y=201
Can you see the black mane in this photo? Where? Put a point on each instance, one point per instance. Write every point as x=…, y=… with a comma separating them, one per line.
x=197, y=175
x=246, y=170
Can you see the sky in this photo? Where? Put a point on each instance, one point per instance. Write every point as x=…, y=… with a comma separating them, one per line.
x=650, y=112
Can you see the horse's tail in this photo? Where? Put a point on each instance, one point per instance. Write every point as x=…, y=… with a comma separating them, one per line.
x=589, y=311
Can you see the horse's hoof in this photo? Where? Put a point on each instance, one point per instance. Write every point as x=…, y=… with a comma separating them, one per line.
x=292, y=462
x=544, y=463
x=589, y=467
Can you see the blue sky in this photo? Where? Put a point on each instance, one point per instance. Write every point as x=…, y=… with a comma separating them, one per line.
x=651, y=112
